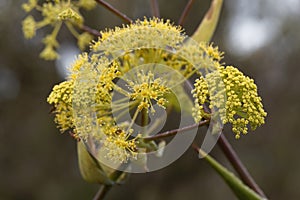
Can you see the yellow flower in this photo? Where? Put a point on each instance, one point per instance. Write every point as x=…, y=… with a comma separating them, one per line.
x=152, y=33
x=84, y=40
x=29, y=27
x=146, y=89
x=86, y=105
x=61, y=99
x=50, y=40
x=120, y=149
x=243, y=106
x=87, y=4
x=70, y=14
x=94, y=81
x=54, y=13
x=49, y=53
x=31, y=4
x=211, y=51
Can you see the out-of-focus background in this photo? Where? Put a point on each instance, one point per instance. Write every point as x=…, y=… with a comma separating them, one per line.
x=261, y=37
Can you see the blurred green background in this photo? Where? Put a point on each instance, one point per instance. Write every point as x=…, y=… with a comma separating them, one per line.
x=261, y=37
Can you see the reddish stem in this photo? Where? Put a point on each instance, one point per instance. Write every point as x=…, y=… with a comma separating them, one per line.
x=114, y=10
x=155, y=8
x=175, y=131
x=185, y=12
x=90, y=30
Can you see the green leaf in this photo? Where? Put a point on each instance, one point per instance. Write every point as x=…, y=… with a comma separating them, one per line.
x=90, y=169
x=241, y=191
x=209, y=23
x=93, y=171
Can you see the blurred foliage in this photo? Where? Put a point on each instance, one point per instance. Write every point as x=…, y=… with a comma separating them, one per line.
x=36, y=162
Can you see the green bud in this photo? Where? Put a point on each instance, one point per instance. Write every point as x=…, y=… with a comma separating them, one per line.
x=90, y=169
x=209, y=23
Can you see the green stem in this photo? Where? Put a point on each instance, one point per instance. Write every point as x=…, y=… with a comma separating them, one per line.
x=238, y=165
x=56, y=30
x=104, y=189
x=102, y=192
x=133, y=120
x=241, y=191
x=144, y=120
x=72, y=29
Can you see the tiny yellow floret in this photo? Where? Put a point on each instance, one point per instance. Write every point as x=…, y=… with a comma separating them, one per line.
x=29, y=27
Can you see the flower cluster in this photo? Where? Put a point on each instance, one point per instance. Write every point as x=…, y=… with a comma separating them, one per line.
x=146, y=89
x=55, y=13
x=61, y=98
x=92, y=84
x=243, y=105
x=85, y=103
x=211, y=51
x=118, y=145
x=154, y=33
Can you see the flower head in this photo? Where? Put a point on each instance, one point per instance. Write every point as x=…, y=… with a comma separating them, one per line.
x=70, y=14
x=91, y=111
x=49, y=53
x=54, y=14
x=29, y=27
x=87, y=4
x=84, y=40
x=243, y=106
x=94, y=81
x=118, y=145
x=31, y=4
x=61, y=99
x=147, y=89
